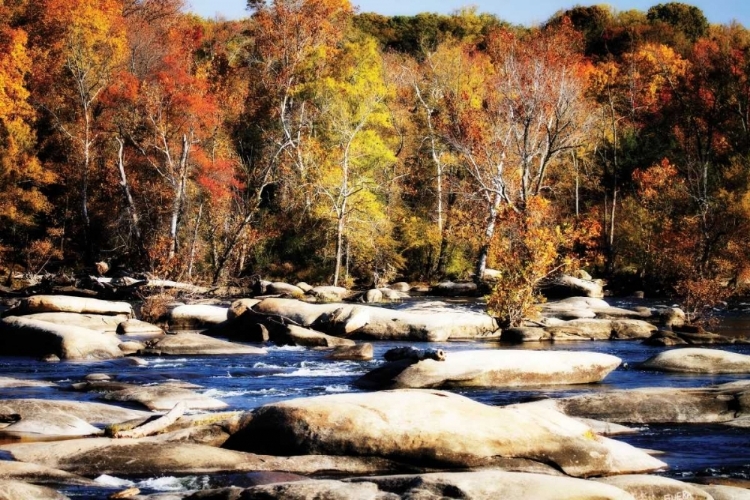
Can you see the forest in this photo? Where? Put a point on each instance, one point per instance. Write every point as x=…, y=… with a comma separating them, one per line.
x=312, y=142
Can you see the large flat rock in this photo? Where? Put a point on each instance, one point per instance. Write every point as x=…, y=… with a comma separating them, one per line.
x=382, y=324
x=645, y=486
x=196, y=316
x=97, y=322
x=434, y=428
x=195, y=344
x=18, y=490
x=70, y=304
x=28, y=337
x=697, y=360
x=494, y=368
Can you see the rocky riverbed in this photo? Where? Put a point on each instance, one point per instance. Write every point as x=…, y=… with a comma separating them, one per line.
x=270, y=404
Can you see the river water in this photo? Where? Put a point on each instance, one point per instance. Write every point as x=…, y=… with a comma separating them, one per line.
x=246, y=382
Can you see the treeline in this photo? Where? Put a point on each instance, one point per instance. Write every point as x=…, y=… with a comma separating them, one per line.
x=311, y=142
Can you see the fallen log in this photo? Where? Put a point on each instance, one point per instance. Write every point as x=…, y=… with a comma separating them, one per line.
x=154, y=426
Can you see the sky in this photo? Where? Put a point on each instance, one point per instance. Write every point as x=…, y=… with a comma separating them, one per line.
x=518, y=12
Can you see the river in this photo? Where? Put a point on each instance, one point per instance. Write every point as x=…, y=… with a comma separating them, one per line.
x=246, y=382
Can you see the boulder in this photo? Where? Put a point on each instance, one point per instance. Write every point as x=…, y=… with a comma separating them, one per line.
x=434, y=428
x=304, y=286
x=131, y=347
x=154, y=457
x=494, y=368
x=195, y=344
x=136, y=327
x=721, y=492
x=17, y=490
x=98, y=322
x=357, y=352
x=392, y=295
x=38, y=474
x=569, y=286
x=494, y=484
x=239, y=306
x=280, y=288
x=70, y=304
x=587, y=308
x=382, y=324
x=672, y=317
x=644, y=486
x=665, y=338
x=327, y=489
x=525, y=334
x=451, y=289
x=196, y=316
x=28, y=337
x=653, y=406
x=297, y=335
x=400, y=286
x=37, y=419
x=600, y=329
x=697, y=360
x=373, y=296
x=13, y=383
x=161, y=397
x=329, y=293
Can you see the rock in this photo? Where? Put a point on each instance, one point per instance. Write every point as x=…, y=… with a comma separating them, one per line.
x=644, y=486
x=17, y=490
x=600, y=329
x=279, y=288
x=696, y=360
x=653, y=406
x=672, y=317
x=400, y=286
x=70, y=304
x=154, y=397
x=12, y=383
x=374, y=296
x=131, y=347
x=196, y=316
x=392, y=295
x=525, y=334
x=588, y=308
x=451, y=289
x=304, y=286
x=97, y=377
x=38, y=474
x=194, y=344
x=139, y=328
x=36, y=418
x=98, y=322
x=329, y=293
x=434, y=428
x=378, y=323
x=296, y=335
x=154, y=457
x=413, y=354
x=27, y=337
x=357, y=352
x=239, y=306
x=494, y=484
x=582, y=274
x=569, y=286
x=720, y=492
x=495, y=368
x=664, y=338
x=327, y=489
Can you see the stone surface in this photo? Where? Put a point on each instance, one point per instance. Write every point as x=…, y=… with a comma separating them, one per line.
x=139, y=328
x=38, y=474
x=494, y=368
x=196, y=316
x=569, y=286
x=97, y=322
x=154, y=397
x=193, y=344
x=154, y=457
x=492, y=485
x=29, y=337
x=70, y=304
x=239, y=306
x=434, y=428
x=357, y=352
x=18, y=490
x=645, y=486
x=720, y=492
x=280, y=288
x=382, y=324
x=697, y=360
x=297, y=335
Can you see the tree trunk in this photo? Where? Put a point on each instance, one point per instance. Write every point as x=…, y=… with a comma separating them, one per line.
x=134, y=220
x=339, y=248
x=178, y=197
x=489, y=232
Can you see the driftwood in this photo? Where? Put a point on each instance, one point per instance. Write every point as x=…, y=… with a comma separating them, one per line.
x=153, y=426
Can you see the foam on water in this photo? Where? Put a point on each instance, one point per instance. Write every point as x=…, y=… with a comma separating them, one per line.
x=113, y=482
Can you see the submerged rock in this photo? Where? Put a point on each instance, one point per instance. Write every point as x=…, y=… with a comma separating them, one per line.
x=696, y=360
x=494, y=368
x=28, y=337
x=434, y=428
x=195, y=344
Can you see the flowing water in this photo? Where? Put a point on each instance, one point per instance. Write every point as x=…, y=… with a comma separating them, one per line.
x=246, y=382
